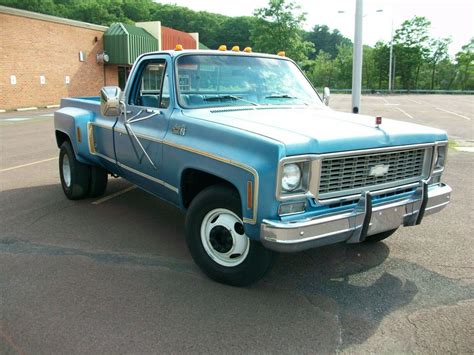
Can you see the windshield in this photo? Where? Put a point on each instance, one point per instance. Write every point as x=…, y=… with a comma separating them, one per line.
x=229, y=80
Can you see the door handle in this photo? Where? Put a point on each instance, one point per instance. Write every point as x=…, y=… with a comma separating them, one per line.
x=150, y=110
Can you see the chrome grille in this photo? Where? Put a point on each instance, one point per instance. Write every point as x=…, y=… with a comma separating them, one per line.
x=349, y=174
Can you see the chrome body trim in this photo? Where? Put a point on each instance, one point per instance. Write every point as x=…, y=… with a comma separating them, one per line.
x=353, y=226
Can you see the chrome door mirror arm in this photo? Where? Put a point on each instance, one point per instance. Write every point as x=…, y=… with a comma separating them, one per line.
x=130, y=132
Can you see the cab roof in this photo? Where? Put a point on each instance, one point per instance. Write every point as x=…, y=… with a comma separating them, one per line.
x=177, y=53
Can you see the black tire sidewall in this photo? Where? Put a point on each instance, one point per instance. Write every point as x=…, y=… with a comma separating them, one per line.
x=98, y=182
x=80, y=174
x=64, y=152
x=258, y=260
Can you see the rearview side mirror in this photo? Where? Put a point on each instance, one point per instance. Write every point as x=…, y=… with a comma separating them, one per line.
x=326, y=96
x=110, y=101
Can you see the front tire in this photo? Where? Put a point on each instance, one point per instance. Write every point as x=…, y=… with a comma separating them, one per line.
x=74, y=175
x=217, y=242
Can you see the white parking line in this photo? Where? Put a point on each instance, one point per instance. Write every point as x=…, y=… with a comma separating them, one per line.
x=16, y=119
x=115, y=194
x=24, y=165
x=465, y=149
x=404, y=112
x=453, y=113
x=416, y=102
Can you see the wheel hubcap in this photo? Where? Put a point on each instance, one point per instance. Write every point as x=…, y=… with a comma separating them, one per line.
x=66, y=167
x=223, y=237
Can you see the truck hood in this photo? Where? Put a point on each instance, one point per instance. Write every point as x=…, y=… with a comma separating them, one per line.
x=319, y=129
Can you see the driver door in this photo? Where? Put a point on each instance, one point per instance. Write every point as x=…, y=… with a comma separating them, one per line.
x=143, y=124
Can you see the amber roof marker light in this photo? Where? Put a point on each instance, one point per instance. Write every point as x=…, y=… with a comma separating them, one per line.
x=222, y=47
x=248, y=49
x=281, y=53
x=179, y=47
x=235, y=49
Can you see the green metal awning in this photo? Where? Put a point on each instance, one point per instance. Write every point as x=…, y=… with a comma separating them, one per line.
x=124, y=43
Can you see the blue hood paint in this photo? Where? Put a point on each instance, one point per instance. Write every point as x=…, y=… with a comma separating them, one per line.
x=321, y=130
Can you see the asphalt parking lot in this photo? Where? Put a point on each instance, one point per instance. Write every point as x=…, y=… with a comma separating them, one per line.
x=113, y=275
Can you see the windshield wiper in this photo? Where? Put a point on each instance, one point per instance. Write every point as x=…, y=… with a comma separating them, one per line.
x=280, y=96
x=285, y=96
x=229, y=97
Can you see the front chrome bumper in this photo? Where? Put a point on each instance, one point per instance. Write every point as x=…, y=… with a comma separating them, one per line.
x=355, y=225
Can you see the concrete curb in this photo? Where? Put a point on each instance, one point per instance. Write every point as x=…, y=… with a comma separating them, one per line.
x=26, y=109
x=2, y=111
x=52, y=106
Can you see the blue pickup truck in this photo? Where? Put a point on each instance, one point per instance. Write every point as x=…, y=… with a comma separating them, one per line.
x=246, y=146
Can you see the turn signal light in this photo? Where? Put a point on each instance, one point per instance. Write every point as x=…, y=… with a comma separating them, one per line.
x=291, y=208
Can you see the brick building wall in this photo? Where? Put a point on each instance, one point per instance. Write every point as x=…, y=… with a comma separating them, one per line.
x=31, y=47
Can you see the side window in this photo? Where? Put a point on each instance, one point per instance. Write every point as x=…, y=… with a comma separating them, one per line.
x=149, y=89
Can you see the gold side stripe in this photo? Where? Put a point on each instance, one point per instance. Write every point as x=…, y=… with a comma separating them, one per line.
x=161, y=182
x=247, y=168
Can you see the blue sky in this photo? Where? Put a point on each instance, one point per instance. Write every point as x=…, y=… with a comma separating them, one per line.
x=453, y=18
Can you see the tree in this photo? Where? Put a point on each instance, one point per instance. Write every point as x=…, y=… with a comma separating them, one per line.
x=324, y=71
x=279, y=27
x=465, y=64
x=381, y=55
x=438, y=52
x=447, y=73
x=325, y=40
x=411, y=49
x=368, y=65
x=236, y=31
x=343, y=62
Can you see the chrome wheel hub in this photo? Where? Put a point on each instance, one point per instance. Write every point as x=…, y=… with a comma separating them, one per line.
x=66, y=168
x=223, y=237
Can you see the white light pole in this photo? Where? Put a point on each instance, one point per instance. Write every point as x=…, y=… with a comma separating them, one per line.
x=357, y=58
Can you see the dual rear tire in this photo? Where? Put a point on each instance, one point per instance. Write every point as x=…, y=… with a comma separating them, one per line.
x=79, y=180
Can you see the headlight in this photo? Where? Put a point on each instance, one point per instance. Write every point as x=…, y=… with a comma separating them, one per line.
x=291, y=177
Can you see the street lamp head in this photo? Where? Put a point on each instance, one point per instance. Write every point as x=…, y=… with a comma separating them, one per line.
x=379, y=10
x=341, y=12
